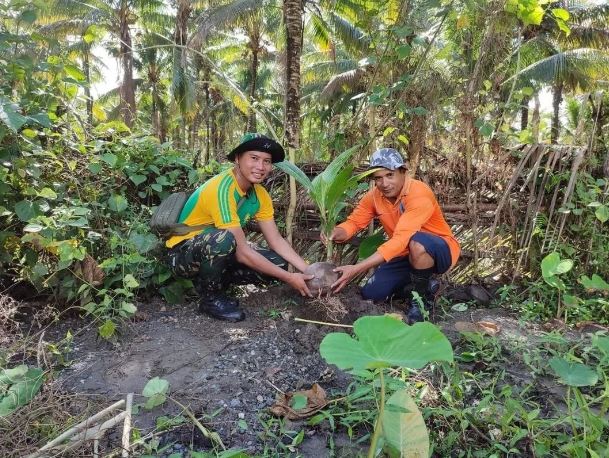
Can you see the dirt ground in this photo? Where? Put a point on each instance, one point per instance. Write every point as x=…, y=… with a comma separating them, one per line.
x=231, y=371
x=229, y=374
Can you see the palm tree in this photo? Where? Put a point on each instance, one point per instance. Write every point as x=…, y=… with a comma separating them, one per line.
x=117, y=17
x=573, y=61
x=292, y=19
x=65, y=29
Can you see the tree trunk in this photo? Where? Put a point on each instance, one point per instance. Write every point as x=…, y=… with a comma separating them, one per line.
x=180, y=90
x=535, y=120
x=292, y=18
x=578, y=137
x=153, y=79
x=418, y=134
x=127, y=90
x=556, y=101
x=524, y=113
x=208, y=118
x=468, y=106
x=87, y=69
x=251, y=119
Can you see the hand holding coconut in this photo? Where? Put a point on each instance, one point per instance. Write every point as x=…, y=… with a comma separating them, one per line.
x=299, y=281
x=323, y=276
x=347, y=273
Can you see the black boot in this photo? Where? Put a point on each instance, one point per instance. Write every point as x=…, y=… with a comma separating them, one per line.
x=220, y=306
x=427, y=288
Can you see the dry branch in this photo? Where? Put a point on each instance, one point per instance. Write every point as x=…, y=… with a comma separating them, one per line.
x=127, y=425
x=77, y=429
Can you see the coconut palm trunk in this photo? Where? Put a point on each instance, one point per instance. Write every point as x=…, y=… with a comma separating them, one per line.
x=556, y=101
x=251, y=119
x=292, y=18
x=127, y=89
x=87, y=70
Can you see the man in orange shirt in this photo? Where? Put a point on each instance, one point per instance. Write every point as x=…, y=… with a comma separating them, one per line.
x=420, y=242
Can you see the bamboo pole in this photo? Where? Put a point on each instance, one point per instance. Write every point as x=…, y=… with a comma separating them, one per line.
x=127, y=426
x=302, y=320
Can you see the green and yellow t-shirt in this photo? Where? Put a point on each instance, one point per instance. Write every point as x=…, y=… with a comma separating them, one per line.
x=215, y=203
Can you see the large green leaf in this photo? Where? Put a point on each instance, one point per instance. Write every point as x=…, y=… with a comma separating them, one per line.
x=384, y=341
x=369, y=245
x=155, y=391
x=22, y=389
x=337, y=187
x=403, y=426
x=553, y=265
x=595, y=283
x=293, y=171
x=602, y=213
x=10, y=116
x=26, y=210
x=117, y=203
x=573, y=374
x=334, y=168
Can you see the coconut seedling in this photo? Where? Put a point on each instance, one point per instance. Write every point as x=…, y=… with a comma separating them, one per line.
x=328, y=191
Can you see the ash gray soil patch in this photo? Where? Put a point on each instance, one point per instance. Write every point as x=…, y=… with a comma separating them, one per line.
x=228, y=371
x=228, y=374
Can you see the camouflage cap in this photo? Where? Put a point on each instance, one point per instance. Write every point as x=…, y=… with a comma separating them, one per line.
x=387, y=158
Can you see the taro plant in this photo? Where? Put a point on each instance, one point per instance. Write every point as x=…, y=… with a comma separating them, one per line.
x=552, y=267
x=381, y=343
x=329, y=189
x=585, y=413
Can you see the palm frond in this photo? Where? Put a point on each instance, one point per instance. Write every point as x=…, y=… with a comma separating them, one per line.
x=575, y=67
x=322, y=71
x=588, y=37
x=352, y=36
x=320, y=33
x=65, y=27
x=597, y=15
x=337, y=83
x=222, y=15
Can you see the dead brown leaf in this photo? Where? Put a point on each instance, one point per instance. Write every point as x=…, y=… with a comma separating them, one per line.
x=485, y=327
x=489, y=327
x=316, y=400
x=397, y=316
x=89, y=271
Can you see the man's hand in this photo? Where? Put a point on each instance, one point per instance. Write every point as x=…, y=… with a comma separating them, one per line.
x=338, y=235
x=297, y=281
x=348, y=273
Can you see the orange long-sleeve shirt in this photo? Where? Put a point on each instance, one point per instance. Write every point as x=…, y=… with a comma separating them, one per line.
x=415, y=210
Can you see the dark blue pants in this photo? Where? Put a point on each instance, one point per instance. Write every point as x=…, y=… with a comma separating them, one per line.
x=391, y=277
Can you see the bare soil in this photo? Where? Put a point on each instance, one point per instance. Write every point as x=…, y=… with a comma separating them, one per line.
x=229, y=374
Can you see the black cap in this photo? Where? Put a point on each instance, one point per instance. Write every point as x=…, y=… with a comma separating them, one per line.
x=258, y=142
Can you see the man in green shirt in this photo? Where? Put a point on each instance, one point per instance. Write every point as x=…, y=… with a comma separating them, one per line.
x=220, y=255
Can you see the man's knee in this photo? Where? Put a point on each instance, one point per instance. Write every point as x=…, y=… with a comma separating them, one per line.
x=418, y=256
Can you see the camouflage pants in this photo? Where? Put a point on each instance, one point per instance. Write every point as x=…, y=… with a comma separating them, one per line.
x=209, y=260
